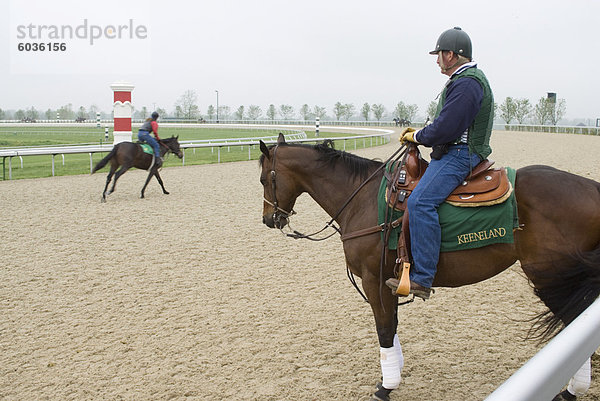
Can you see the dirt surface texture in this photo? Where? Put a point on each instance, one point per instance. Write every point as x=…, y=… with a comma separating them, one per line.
x=190, y=296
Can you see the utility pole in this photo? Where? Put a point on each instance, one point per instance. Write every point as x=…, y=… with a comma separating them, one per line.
x=217, y=106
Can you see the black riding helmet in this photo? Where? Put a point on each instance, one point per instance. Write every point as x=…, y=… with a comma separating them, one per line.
x=455, y=40
x=154, y=115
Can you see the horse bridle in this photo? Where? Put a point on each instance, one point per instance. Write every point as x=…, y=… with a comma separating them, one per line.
x=167, y=147
x=279, y=212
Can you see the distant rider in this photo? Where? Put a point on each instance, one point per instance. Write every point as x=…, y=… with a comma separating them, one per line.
x=151, y=126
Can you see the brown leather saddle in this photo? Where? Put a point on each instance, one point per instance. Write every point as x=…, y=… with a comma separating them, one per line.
x=485, y=185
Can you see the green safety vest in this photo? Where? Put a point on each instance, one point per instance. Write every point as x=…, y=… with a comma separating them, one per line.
x=481, y=128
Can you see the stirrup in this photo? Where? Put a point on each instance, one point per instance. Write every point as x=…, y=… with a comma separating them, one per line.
x=404, y=284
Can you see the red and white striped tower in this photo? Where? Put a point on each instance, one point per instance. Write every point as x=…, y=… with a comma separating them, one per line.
x=122, y=110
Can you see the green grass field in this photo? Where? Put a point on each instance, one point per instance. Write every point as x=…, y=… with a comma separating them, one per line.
x=41, y=166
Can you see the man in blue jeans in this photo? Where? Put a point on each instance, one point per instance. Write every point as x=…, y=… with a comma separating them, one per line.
x=460, y=136
x=148, y=127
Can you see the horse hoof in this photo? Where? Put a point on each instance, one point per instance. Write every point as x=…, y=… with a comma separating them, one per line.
x=382, y=393
x=564, y=396
x=103, y=200
x=166, y=193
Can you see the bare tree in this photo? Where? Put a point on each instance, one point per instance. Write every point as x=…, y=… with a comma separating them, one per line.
x=239, y=113
x=365, y=111
x=161, y=112
x=286, y=111
x=305, y=112
x=271, y=112
x=32, y=113
x=178, y=112
x=224, y=112
x=66, y=112
x=20, y=114
x=338, y=110
x=378, y=111
x=186, y=105
x=254, y=112
x=542, y=111
x=349, y=110
x=92, y=110
x=558, y=111
x=82, y=113
x=522, y=110
x=210, y=112
x=508, y=109
x=141, y=114
x=320, y=112
x=406, y=111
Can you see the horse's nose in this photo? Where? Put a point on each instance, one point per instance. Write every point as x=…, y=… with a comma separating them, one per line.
x=268, y=222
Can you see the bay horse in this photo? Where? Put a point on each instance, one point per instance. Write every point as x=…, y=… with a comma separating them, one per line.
x=557, y=243
x=128, y=154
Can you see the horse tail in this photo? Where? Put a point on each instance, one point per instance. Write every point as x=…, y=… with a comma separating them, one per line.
x=568, y=294
x=104, y=161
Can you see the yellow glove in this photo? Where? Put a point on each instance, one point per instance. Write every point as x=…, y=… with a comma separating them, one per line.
x=408, y=135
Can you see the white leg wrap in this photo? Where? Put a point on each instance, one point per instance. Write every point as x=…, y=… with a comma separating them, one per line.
x=580, y=383
x=391, y=365
x=399, y=350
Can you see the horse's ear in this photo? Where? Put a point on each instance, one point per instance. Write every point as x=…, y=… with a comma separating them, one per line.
x=280, y=138
x=264, y=149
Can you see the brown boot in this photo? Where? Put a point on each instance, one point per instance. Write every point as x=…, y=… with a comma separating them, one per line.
x=420, y=291
x=415, y=289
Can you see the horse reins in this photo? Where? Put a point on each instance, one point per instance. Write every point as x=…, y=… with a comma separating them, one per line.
x=298, y=235
x=385, y=226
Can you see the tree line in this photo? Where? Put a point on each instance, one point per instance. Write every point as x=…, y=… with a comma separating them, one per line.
x=545, y=111
x=186, y=107
x=519, y=110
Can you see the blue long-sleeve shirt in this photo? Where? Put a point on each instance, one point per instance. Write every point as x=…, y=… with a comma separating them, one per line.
x=463, y=102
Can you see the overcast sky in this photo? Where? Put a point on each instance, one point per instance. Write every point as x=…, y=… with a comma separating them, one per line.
x=312, y=51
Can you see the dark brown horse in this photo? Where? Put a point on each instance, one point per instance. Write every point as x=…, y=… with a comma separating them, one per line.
x=558, y=244
x=127, y=155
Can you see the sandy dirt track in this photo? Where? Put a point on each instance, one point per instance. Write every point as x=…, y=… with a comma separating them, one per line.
x=190, y=296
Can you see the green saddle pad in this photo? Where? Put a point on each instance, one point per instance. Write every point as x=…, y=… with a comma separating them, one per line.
x=464, y=227
x=147, y=148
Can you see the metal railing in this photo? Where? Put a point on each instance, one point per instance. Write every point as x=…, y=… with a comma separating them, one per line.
x=380, y=137
x=546, y=373
x=558, y=129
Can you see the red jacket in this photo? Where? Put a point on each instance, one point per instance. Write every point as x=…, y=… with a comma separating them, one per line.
x=155, y=129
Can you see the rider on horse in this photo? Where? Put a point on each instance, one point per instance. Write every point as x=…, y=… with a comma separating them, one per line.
x=151, y=126
x=459, y=135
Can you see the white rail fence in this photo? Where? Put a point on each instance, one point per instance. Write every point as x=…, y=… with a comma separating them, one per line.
x=376, y=137
x=547, y=372
x=566, y=129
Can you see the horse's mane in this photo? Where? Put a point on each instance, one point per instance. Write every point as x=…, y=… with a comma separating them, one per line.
x=329, y=156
